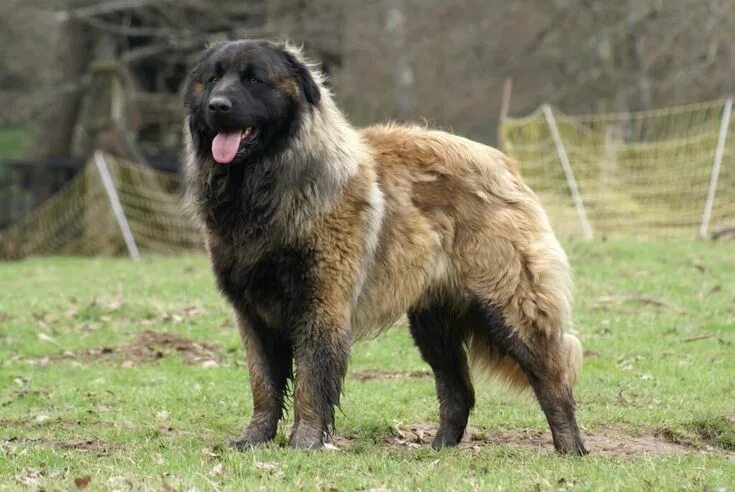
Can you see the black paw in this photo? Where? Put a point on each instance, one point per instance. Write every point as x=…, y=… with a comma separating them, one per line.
x=447, y=438
x=249, y=439
x=307, y=439
x=576, y=449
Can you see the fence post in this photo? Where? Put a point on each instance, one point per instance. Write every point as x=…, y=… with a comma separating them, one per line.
x=568, y=174
x=504, y=108
x=716, y=165
x=117, y=209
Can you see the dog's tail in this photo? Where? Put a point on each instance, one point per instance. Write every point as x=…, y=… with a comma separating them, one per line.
x=572, y=353
x=487, y=362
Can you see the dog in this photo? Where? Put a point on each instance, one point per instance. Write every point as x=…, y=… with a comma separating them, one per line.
x=321, y=234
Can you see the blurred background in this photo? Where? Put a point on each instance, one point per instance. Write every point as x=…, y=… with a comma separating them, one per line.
x=618, y=112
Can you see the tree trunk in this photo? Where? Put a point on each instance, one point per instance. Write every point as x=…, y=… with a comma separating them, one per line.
x=56, y=122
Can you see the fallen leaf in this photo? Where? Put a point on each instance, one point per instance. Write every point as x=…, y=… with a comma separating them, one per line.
x=267, y=466
x=82, y=482
x=46, y=338
x=20, y=381
x=330, y=447
x=171, y=482
x=116, y=302
x=30, y=477
x=209, y=454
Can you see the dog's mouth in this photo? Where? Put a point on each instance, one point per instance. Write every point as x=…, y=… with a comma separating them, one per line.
x=227, y=146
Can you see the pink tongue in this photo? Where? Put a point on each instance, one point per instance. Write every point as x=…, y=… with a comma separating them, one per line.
x=225, y=145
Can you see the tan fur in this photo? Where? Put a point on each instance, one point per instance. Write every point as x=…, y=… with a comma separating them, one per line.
x=428, y=213
x=459, y=217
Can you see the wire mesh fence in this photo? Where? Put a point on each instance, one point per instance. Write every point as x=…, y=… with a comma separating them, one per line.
x=80, y=219
x=643, y=174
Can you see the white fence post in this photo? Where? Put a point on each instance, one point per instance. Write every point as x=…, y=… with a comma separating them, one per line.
x=504, y=108
x=716, y=165
x=568, y=174
x=117, y=209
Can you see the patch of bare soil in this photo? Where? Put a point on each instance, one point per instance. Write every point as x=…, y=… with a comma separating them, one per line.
x=611, y=442
x=377, y=374
x=148, y=346
x=79, y=444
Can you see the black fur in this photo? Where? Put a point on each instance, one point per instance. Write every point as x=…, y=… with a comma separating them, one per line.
x=269, y=281
x=275, y=359
x=280, y=283
x=308, y=86
x=243, y=72
x=439, y=333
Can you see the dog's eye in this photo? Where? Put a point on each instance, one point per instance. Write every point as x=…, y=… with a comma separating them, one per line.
x=213, y=79
x=253, y=80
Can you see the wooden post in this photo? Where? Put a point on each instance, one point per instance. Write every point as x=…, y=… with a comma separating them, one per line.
x=716, y=165
x=117, y=209
x=568, y=174
x=504, y=108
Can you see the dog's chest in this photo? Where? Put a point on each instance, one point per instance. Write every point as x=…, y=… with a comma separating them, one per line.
x=241, y=202
x=277, y=286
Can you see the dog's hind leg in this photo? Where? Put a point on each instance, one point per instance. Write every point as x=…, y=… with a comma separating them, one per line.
x=548, y=360
x=439, y=333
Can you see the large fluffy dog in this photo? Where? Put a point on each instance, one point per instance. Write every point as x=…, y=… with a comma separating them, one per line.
x=320, y=234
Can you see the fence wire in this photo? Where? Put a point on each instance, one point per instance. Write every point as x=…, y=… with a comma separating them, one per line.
x=78, y=220
x=643, y=174
x=640, y=175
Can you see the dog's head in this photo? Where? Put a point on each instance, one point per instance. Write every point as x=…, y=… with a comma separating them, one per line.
x=245, y=100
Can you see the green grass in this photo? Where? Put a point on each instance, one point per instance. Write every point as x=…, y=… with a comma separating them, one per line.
x=657, y=321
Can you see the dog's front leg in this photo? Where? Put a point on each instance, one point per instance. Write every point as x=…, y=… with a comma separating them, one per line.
x=321, y=349
x=269, y=357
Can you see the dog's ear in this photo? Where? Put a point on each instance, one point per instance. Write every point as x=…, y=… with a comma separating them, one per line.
x=306, y=82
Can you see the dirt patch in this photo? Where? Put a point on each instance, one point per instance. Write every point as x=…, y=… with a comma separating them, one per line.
x=80, y=444
x=376, y=374
x=611, y=442
x=148, y=346
x=716, y=431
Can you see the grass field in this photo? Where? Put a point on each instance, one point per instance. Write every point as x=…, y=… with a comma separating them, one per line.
x=94, y=394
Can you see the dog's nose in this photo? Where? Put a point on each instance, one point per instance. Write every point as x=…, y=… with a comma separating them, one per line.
x=219, y=104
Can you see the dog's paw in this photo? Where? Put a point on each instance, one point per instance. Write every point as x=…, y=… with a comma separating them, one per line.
x=447, y=438
x=570, y=445
x=242, y=443
x=249, y=439
x=578, y=450
x=306, y=438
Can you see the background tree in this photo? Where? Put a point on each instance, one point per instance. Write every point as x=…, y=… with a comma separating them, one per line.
x=402, y=59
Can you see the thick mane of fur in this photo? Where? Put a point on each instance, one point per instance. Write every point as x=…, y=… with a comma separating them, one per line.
x=308, y=175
